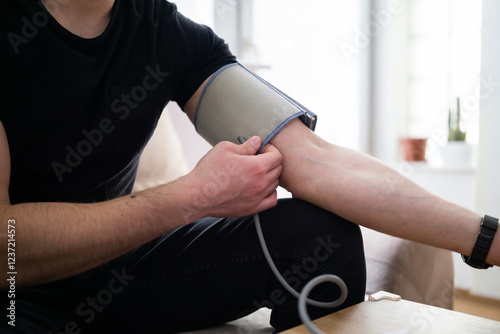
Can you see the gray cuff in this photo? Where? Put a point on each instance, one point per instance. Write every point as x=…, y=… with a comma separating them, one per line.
x=236, y=102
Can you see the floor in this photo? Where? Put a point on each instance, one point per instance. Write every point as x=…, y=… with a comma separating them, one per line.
x=482, y=307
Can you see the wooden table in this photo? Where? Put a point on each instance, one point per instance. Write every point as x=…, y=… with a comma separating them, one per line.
x=400, y=317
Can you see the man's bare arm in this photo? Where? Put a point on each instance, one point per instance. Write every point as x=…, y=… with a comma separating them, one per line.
x=58, y=240
x=367, y=192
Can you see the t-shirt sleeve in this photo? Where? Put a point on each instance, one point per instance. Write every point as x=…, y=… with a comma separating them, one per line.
x=204, y=53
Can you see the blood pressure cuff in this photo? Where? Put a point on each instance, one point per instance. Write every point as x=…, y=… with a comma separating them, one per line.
x=236, y=102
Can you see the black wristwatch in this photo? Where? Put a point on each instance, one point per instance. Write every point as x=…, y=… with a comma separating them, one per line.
x=477, y=259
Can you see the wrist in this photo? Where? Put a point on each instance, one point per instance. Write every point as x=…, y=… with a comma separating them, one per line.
x=166, y=206
x=189, y=199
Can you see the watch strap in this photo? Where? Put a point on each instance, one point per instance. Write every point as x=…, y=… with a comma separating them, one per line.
x=477, y=259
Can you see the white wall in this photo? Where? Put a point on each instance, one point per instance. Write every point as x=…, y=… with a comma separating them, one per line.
x=388, y=72
x=488, y=172
x=488, y=181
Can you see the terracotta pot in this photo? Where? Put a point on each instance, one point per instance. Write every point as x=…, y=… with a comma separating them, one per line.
x=413, y=149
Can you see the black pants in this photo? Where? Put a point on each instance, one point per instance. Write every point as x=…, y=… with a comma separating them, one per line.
x=203, y=274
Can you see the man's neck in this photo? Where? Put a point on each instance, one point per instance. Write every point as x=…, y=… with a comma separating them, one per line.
x=87, y=18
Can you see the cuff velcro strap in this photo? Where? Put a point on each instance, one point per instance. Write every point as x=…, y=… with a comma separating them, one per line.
x=236, y=102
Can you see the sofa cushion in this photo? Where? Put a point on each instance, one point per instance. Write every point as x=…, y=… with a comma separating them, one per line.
x=162, y=159
x=415, y=271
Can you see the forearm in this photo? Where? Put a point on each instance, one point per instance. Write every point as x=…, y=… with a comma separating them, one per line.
x=365, y=191
x=57, y=240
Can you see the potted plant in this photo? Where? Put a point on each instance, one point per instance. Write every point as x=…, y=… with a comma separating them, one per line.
x=454, y=132
x=457, y=153
x=413, y=149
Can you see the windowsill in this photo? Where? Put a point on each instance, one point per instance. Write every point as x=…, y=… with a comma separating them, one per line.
x=425, y=166
x=455, y=184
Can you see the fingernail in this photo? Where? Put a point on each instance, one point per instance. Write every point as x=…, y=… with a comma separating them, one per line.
x=255, y=141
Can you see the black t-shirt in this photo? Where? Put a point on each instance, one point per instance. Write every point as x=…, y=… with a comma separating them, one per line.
x=78, y=112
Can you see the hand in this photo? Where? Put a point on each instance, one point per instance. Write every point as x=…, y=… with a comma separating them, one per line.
x=231, y=181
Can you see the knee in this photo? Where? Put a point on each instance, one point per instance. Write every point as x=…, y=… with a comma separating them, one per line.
x=317, y=232
x=305, y=219
x=327, y=244
x=333, y=242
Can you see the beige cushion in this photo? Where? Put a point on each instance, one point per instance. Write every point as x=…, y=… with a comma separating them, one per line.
x=415, y=271
x=162, y=160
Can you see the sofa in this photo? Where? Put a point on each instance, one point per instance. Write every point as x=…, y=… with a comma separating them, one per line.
x=414, y=271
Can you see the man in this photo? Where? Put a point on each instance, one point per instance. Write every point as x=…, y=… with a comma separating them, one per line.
x=84, y=85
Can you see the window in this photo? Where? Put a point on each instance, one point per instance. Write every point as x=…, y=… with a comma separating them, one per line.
x=295, y=45
x=300, y=43
x=300, y=47
x=444, y=63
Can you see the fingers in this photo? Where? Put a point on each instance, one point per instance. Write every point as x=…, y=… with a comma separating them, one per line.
x=274, y=173
x=251, y=146
x=268, y=202
x=271, y=160
x=269, y=148
x=270, y=157
x=240, y=182
x=269, y=196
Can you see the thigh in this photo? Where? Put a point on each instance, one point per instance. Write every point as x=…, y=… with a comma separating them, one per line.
x=213, y=271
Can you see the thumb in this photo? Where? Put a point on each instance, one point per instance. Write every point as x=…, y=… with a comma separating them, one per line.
x=251, y=146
